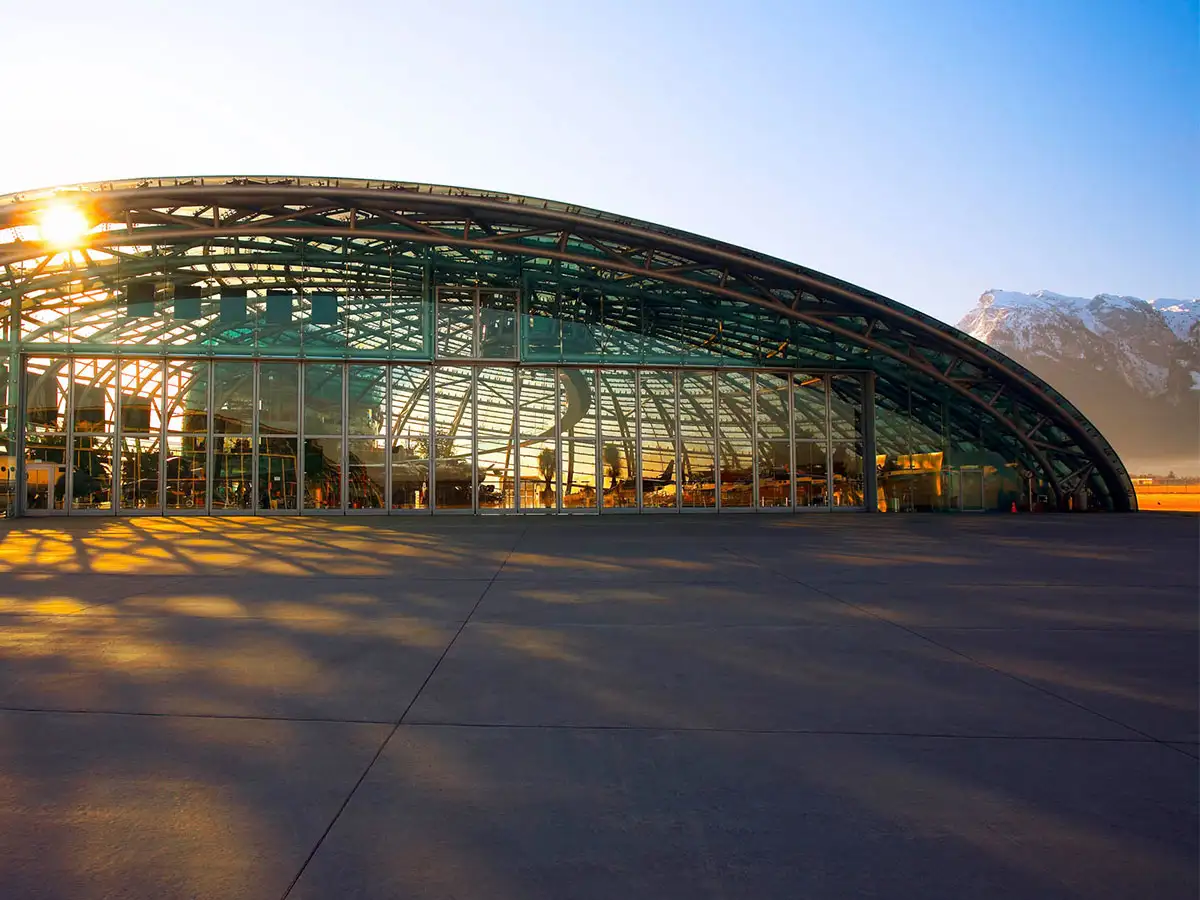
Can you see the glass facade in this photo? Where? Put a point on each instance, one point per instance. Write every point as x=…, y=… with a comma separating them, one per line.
x=170, y=436
x=416, y=349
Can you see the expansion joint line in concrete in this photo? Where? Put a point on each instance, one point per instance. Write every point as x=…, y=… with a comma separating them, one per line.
x=966, y=656
x=400, y=721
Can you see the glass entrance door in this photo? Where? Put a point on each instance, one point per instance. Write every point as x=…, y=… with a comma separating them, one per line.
x=971, y=481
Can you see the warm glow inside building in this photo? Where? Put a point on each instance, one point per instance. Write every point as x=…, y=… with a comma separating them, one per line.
x=297, y=345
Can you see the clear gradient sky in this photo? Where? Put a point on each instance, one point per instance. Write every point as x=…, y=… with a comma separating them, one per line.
x=926, y=149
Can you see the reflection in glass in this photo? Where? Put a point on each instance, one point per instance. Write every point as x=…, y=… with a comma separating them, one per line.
x=539, y=402
x=910, y=454
x=91, y=478
x=94, y=394
x=278, y=398
x=774, y=474
x=577, y=472
x=46, y=399
x=410, y=441
x=185, y=469
x=141, y=384
x=618, y=425
x=233, y=472
x=277, y=471
x=453, y=401
x=377, y=322
x=696, y=426
x=454, y=464
x=735, y=389
x=737, y=474
x=139, y=473
x=539, y=474
x=366, y=389
x=366, y=473
x=609, y=438
x=541, y=326
x=698, y=482
x=233, y=397
x=811, y=478
x=496, y=481
x=771, y=407
x=496, y=403
x=808, y=395
x=619, y=490
x=405, y=315
x=658, y=418
x=410, y=472
x=497, y=324
x=454, y=473
x=455, y=323
x=577, y=399
x=323, y=398
x=187, y=396
x=410, y=405
x=846, y=445
x=278, y=330
x=847, y=468
x=322, y=473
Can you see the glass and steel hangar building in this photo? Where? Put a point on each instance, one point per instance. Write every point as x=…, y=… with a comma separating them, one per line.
x=275, y=345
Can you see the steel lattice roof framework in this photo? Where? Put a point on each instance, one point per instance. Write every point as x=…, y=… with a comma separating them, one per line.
x=347, y=234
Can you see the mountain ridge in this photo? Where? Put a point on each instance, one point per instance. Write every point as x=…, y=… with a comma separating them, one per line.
x=1130, y=365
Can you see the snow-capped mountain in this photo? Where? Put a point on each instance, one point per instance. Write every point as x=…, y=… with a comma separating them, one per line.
x=1132, y=366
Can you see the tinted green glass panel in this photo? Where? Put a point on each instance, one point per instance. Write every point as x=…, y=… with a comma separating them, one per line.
x=539, y=402
x=498, y=324
x=455, y=323
x=366, y=390
x=323, y=398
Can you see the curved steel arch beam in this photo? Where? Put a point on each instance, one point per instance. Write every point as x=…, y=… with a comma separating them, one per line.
x=860, y=301
x=169, y=236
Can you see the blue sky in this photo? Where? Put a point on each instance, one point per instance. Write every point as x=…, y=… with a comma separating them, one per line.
x=928, y=150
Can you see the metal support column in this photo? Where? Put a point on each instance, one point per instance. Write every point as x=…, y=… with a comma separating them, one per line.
x=15, y=400
x=870, y=473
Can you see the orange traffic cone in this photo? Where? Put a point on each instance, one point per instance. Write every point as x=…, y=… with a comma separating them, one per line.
x=1014, y=506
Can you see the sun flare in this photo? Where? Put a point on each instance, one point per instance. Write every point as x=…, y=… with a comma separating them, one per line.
x=63, y=224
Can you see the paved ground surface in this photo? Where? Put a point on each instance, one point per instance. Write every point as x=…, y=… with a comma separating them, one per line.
x=692, y=707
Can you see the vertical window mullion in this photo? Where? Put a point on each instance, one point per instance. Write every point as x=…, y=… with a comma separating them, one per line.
x=755, y=503
x=715, y=376
x=254, y=437
x=637, y=438
x=345, y=470
x=678, y=426
x=597, y=431
x=69, y=483
x=476, y=327
x=514, y=452
x=473, y=463
x=791, y=414
x=300, y=436
x=115, y=481
x=209, y=450
x=558, y=443
x=387, y=437
x=827, y=381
